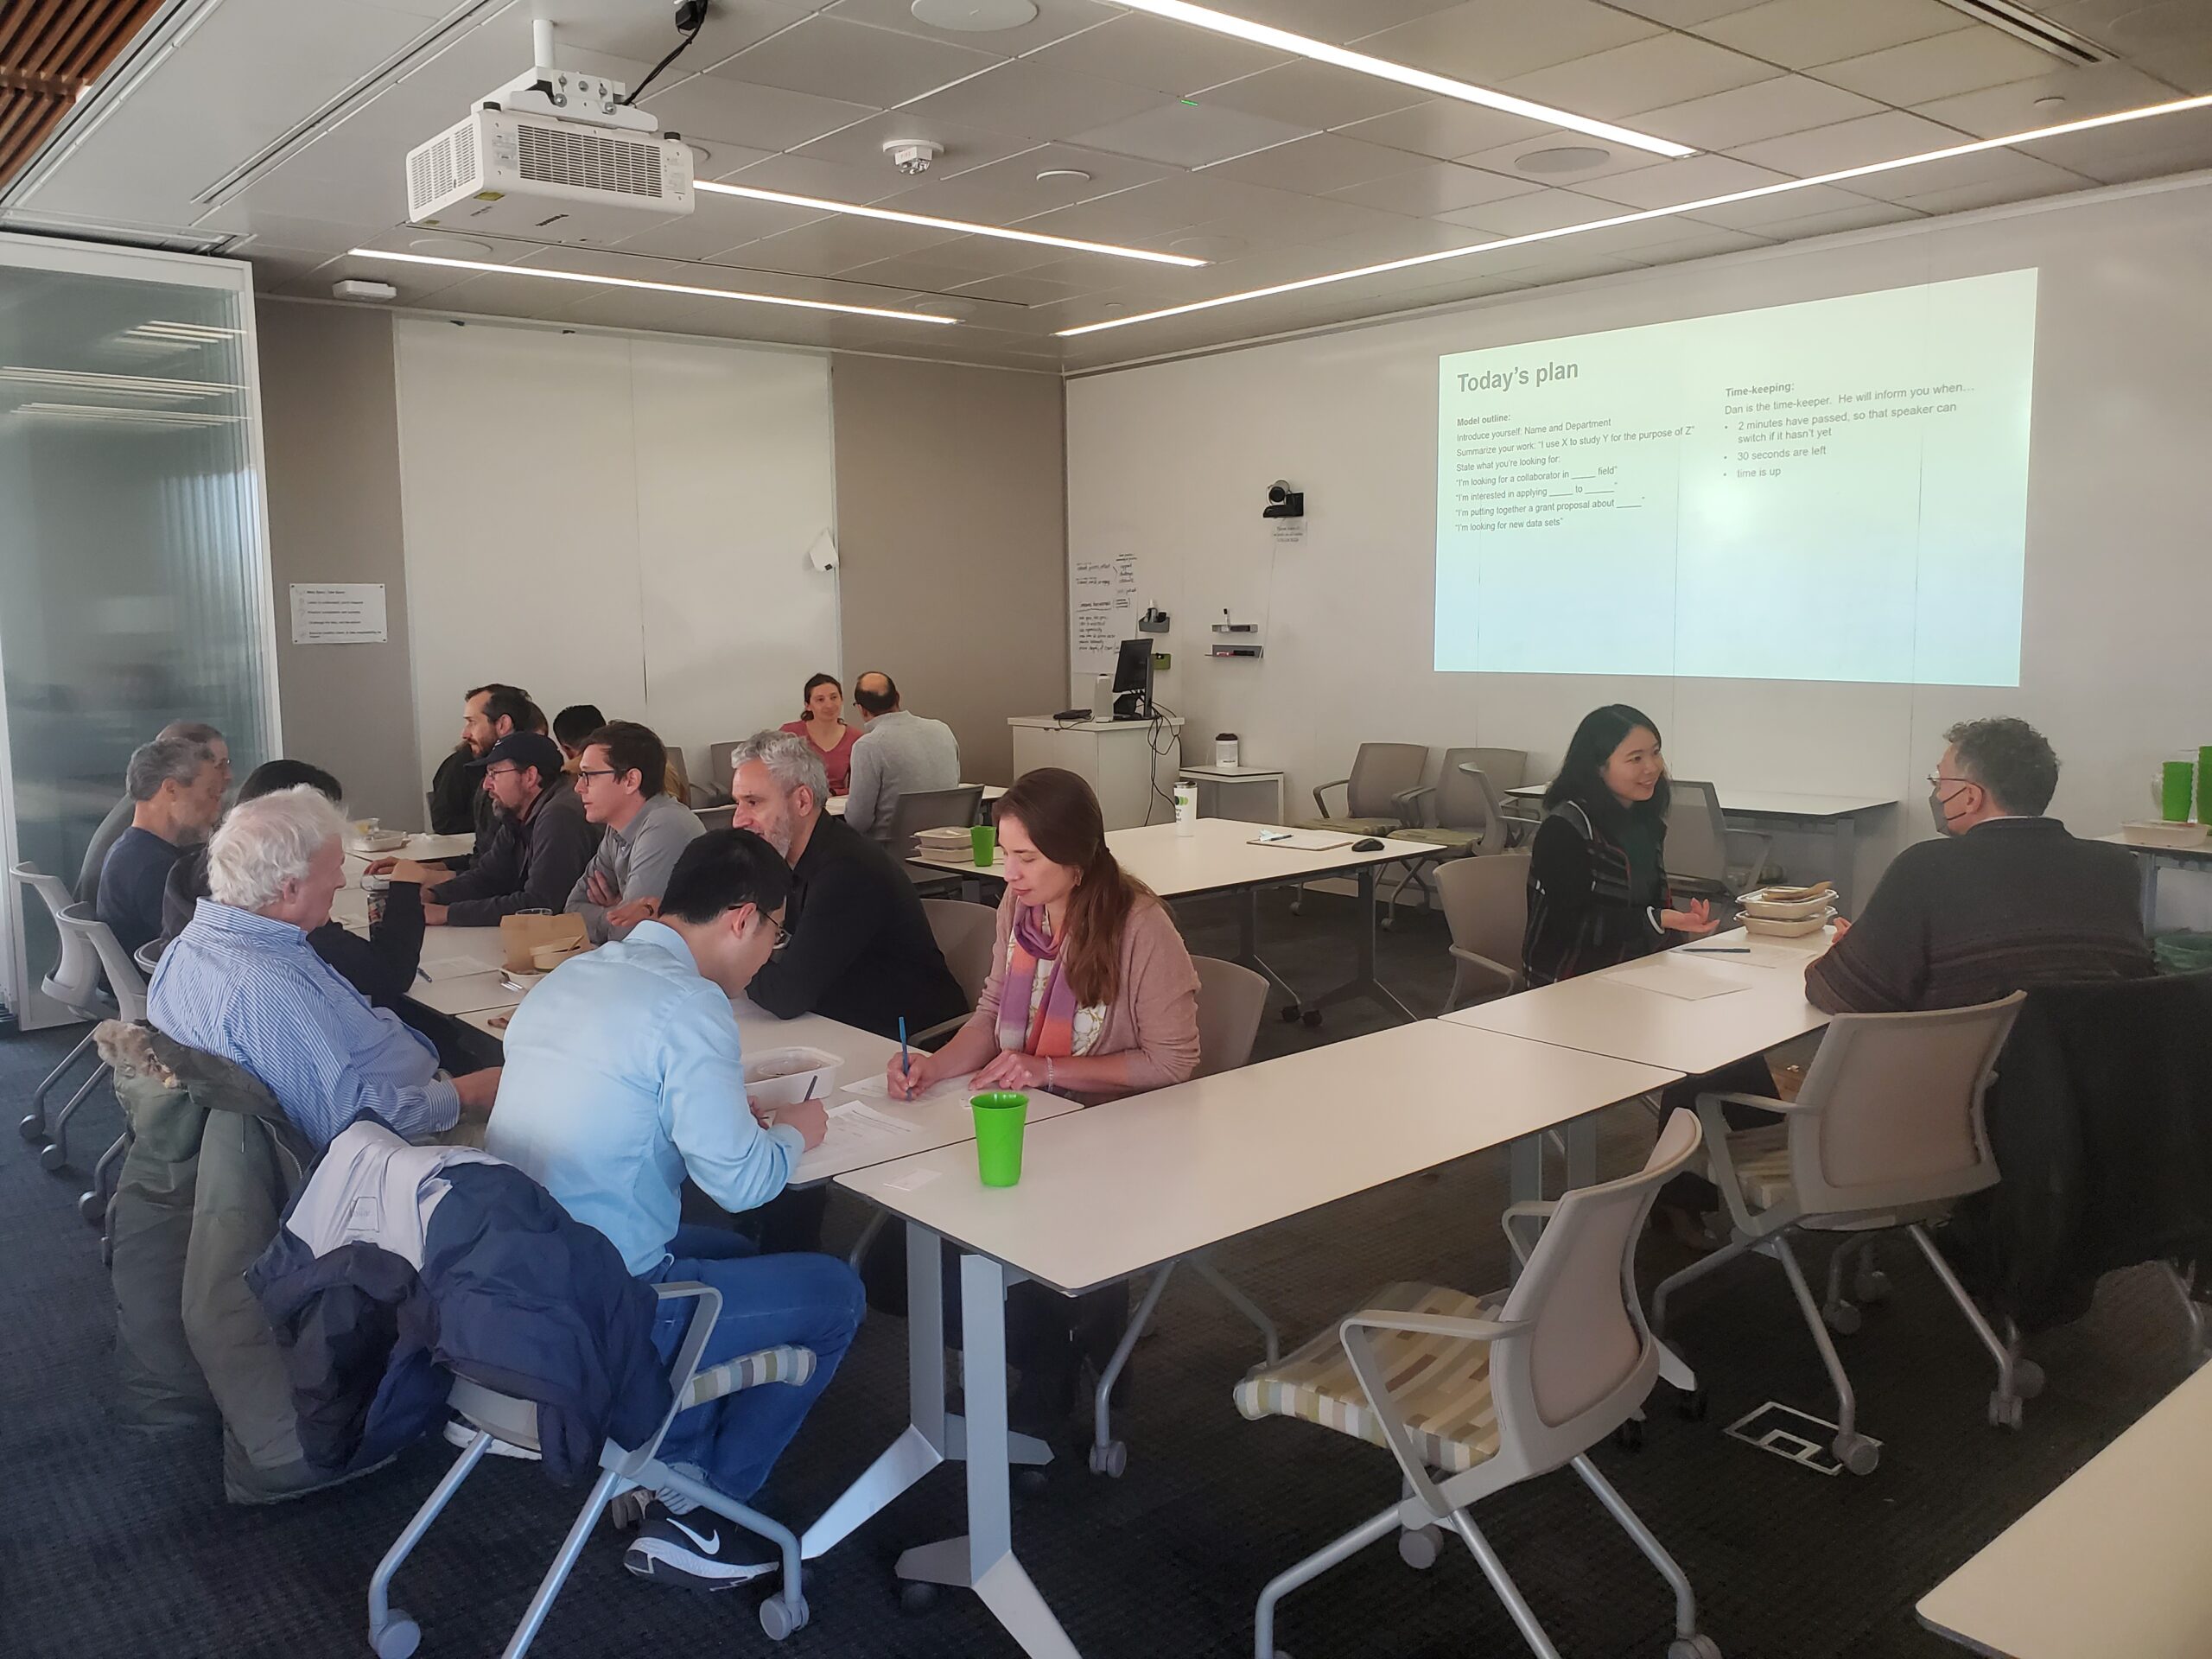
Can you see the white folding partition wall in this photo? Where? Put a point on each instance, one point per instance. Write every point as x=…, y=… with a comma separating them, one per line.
x=134, y=546
x=623, y=521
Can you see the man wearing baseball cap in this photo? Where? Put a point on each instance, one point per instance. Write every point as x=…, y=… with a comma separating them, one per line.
x=539, y=859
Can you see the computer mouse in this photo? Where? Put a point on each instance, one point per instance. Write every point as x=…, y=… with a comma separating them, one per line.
x=1367, y=844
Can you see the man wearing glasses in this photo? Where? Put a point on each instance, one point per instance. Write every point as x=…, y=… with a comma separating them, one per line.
x=539, y=862
x=2004, y=900
x=619, y=778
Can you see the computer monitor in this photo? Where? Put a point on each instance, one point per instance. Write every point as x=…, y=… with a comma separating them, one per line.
x=1133, y=681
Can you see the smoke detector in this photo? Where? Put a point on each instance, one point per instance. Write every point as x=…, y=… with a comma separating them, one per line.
x=911, y=156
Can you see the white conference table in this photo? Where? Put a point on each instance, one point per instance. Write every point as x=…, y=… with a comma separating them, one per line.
x=1834, y=817
x=1108, y=1192
x=835, y=804
x=2154, y=857
x=2112, y=1563
x=1219, y=856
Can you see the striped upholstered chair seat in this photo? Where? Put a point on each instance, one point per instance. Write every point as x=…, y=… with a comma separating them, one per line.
x=1439, y=1385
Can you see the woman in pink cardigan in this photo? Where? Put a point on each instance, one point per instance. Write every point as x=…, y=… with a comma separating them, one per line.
x=1091, y=994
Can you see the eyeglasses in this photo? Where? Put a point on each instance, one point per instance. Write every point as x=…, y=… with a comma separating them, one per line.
x=502, y=772
x=583, y=773
x=783, y=934
x=1937, y=780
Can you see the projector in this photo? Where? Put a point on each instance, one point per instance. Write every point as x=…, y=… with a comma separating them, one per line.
x=553, y=154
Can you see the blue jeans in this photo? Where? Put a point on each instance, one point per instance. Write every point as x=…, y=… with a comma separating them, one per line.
x=806, y=1301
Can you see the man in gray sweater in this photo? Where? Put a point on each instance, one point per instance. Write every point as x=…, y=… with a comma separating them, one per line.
x=618, y=778
x=899, y=755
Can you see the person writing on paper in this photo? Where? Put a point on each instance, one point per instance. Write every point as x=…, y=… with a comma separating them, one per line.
x=1597, y=876
x=2005, y=900
x=823, y=726
x=1091, y=993
x=626, y=1082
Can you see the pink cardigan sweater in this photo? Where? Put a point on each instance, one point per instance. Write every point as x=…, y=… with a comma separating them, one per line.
x=1154, y=1012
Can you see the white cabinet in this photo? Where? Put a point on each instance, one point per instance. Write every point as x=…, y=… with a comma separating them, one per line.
x=1131, y=764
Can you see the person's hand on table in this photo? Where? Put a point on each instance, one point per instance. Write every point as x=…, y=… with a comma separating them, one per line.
x=478, y=1090
x=1696, y=921
x=434, y=915
x=632, y=911
x=407, y=869
x=1011, y=1069
x=382, y=865
x=919, y=1072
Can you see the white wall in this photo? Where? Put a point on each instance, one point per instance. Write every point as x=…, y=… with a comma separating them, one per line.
x=1170, y=463
x=617, y=520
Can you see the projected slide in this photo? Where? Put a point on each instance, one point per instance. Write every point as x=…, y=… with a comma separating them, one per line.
x=1831, y=490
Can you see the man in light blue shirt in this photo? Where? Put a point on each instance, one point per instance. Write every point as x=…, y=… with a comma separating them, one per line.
x=241, y=981
x=624, y=1077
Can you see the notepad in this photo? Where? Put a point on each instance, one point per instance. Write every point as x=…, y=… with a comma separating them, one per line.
x=855, y=1127
x=878, y=1088
x=1300, y=840
x=1682, y=980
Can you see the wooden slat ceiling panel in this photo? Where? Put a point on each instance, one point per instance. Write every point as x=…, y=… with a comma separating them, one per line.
x=50, y=51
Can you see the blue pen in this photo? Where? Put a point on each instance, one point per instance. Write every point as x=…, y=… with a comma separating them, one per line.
x=902, y=1045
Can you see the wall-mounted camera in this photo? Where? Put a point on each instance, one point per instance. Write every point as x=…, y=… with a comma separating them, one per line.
x=1283, y=502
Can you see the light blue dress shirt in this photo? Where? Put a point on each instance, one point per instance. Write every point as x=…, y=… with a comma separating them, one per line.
x=253, y=991
x=622, y=1077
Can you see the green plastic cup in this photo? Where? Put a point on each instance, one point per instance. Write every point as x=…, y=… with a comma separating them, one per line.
x=2178, y=783
x=2204, y=783
x=984, y=839
x=1000, y=1120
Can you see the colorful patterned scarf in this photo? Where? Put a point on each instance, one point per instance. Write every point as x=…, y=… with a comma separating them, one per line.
x=1031, y=951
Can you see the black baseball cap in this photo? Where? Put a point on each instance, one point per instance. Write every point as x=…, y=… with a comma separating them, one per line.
x=524, y=749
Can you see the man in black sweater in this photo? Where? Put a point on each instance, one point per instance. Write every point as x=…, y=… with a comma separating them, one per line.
x=861, y=949
x=2005, y=900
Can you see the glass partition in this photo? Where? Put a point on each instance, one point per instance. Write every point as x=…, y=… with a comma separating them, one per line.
x=134, y=567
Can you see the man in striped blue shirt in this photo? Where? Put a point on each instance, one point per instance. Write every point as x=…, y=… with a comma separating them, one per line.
x=241, y=981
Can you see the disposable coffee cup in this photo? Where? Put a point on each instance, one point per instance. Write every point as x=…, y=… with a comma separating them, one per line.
x=1001, y=1117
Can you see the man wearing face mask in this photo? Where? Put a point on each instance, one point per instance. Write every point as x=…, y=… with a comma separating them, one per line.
x=2004, y=900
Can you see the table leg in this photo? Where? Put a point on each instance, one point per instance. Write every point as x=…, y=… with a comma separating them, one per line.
x=1363, y=982
x=1247, y=945
x=984, y=1561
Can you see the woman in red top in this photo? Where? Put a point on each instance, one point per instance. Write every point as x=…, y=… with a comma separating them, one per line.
x=822, y=726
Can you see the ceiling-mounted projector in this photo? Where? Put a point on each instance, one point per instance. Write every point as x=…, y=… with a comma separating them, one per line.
x=554, y=155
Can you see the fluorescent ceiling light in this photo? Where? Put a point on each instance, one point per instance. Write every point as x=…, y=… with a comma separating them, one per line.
x=1974, y=148
x=932, y=222
x=1220, y=22
x=634, y=282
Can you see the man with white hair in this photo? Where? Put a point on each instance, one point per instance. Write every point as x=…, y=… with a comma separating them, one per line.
x=242, y=981
x=176, y=793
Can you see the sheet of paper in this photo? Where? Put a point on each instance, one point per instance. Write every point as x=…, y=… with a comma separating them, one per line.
x=878, y=1088
x=1688, y=982
x=1303, y=841
x=855, y=1127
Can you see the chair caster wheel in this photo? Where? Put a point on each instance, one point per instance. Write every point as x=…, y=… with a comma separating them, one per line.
x=1630, y=1435
x=397, y=1637
x=1388, y=919
x=916, y=1597
x=1691, y=1406
x=1871, y=1284
x=2005, y=1410
x=1419, y=1548
x=52, y=1157
x=32, y=1127
x=1031, y=1482
x=107, y=1251
x=1694, y=1647
x=91, y=1208
x=2027, y=1379
x=1290, y=1013
x=1111, y=1459
x=781, y=1615
x=1313, y=1017
x=1857, y=1453
x=1843, y=1317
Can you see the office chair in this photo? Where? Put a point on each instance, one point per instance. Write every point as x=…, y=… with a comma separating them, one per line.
x=1486, y=908
x=1470, y=821
x=74, y=982
x=1705, y=857
x=1471, y=1397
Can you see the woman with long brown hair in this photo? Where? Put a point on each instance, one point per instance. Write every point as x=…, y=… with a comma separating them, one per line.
x=1091, y=994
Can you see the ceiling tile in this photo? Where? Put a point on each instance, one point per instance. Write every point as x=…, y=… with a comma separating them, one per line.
x=1800, y=33
x=972, y=198
x=1188, y=135
x=830, y=246
x=1766, y=109
x=1692, y=179
x=1942, y=65
x=1878, y=137
x=2095, y=89
x=1312, y=95
x=1027, y=99
x=1435, y=187
x=1984, y=167
x=1684, y=14
x=1443, y=128
x=1336, y=20
x=994, y=256
x=643, y=33
x=1487, y=41
x=1502, y=158
x=1760, y=211
x=1671, y=239
x=917, y=272
x=806, y=176
x=1642, y=75
x=720, y=159
x=1055, y=19
x=1172, y=58
x=1138, y=214
x=853, y=61
x=1865, y=215
x=1108, y=172
x=1521, y=215
x=1965, y=198
x=718, y=226
x=709, y=108
x=1399, y=242
x=1314, y=165
x=862, y=145
x=1021, y=290
x=2149, y=149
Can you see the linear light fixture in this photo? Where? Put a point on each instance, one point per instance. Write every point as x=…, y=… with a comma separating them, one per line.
x=1220, y=22
x=639, y=282
x=1005, y=234
x=2037, y=136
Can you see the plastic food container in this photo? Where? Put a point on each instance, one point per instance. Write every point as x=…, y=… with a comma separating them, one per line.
x=1756, y=903
x=1795, y=928
x=785, y=1077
